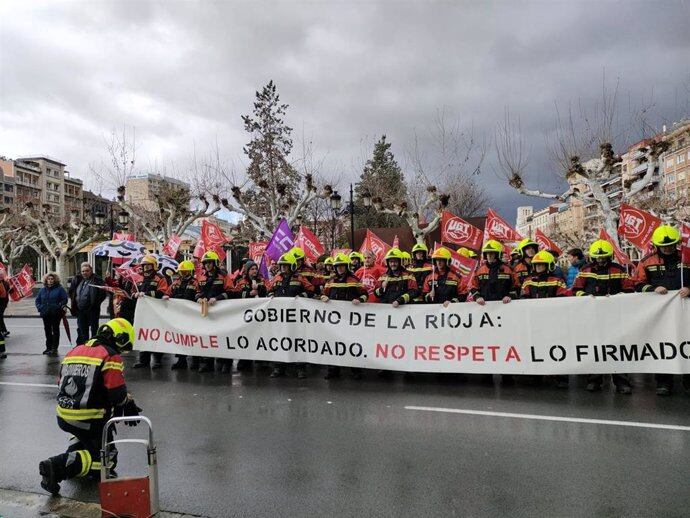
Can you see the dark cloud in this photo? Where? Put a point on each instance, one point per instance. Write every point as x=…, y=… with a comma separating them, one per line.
x=184, y=72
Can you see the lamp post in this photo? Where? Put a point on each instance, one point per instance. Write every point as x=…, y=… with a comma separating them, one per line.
x=366, y=200
x=336, y=203
x=122, y=219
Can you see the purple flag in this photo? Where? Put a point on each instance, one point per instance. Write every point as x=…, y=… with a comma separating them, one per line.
x=281, y=241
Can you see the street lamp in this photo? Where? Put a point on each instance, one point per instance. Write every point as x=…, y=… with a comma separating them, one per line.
x=298, y=220
x=99, y=218
x=335, y=201
x=366, y=201
x=123, y=218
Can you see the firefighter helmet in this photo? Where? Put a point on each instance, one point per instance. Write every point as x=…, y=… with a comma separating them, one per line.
x=420, y=247
x=441, y=253
x=526, y=242
x=341, y=258
x=210, y=256
x=328, y=260
x=357, y=255
x=150, y=259
x=185, y=266
x=289, y=259
x=493, y=246
x=544, y=257
x=406, y=256
x=121, y=331
x=297, y=252
x=600, y=248
x=394, y=253
x=665, y=235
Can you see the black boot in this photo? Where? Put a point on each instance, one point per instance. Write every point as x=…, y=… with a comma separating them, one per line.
x=244, y=365
x=332, y=372
x=3, y=352
x=226, y=367
x=50, y=481
x=194, y=363
x=278, y=372
x=181, y=363
x=206, y=365
x=143, y=361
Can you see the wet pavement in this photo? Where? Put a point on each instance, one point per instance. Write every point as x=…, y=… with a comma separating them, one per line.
x=247, y=445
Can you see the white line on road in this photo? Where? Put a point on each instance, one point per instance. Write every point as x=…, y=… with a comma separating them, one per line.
x=536, y=417
x=17, y=384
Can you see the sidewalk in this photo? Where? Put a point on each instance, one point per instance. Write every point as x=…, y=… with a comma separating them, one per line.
x=26, y=308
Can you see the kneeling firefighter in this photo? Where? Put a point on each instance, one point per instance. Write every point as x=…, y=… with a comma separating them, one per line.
x=91, y=390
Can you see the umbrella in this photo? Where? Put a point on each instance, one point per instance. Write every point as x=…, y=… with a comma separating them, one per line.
x=166, y=265
x=66, y=326
x=117, y=249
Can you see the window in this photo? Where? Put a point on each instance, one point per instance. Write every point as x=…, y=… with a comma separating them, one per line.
x=670, y=178
x=9, y=187
x=680, y=159
x=8, y=200
x=681, y=176
x=669, y=163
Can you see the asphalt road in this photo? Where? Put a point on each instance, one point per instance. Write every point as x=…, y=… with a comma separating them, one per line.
x=246, y=445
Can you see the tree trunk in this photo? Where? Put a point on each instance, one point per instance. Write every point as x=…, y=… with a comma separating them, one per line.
x=62, y=268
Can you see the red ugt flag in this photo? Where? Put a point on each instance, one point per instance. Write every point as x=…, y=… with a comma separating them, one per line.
x=545, y=243
x=498, y=228
x=637, y=226
x=308, y=242
x=685, y=242
x=458, y=231
x=212, y=238
x=375, y=244
x=172, y=246
x=621, y=257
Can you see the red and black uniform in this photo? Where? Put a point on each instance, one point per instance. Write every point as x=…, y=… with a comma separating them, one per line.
x=4, y=299
x=291, y=284
x=446, y=287
x=607, y=279
x=601, y=280
x=184, y=288
x=315, y=279
x=420, y=270
x=656, y=270
x=522, y=270
x=369, y=276
x=494, y=281
x=543, y=286
x=401, y=286
x=91, y=385
x=153, y=285
x=213, y=285
x=344, y=287
x=244, y=286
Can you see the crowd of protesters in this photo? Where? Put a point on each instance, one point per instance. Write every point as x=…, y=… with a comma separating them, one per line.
x=419, y=277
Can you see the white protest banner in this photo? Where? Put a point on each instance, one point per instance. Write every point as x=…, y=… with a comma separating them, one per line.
x=642, y=332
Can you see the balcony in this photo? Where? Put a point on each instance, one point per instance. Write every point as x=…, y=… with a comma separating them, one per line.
x=638, y=169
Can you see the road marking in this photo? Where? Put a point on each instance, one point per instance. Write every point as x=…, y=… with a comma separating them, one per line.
x=17, y=384
x=536, y=417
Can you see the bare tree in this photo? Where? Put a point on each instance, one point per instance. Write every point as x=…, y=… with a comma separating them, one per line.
x=15, y=238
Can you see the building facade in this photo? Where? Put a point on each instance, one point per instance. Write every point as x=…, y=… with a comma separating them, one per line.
x=143, y=190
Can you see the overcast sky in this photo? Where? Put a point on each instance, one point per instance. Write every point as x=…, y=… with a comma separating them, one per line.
x=184, y=72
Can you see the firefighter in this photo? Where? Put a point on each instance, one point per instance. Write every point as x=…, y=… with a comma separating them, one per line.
x=250, y=284
x=603, y=277
x=523, y=268
x=420, y=267
x=406, y=259
x=369, y=273
x=515, y=257
x=661, y=271
x=328, y=268
x=91, y=390
x=154, y=285
x=396, y=286
x=184, y=287
x=442, y=285
x=289, y=283
x=211, y=286
x=307, y=271
x=493, y=280
x=356, y=261
x=544, y=283
x=343, y=286
x=466, y=252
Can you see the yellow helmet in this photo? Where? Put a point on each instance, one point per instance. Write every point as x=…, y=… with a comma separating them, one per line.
x=297, y=252
x=406, y=256
x=121, y=331
x=493, y=246
x=525, y=243
x=289, y=259
x=600, y=248
x=441, y=253
x=210, y=256
x=150, y=259
x=665, y=235
x=544, y=257
x=328, y=260
x=357, y=255
x=516, y=252
x=394, y=253
x=341, y=258
x=185, y=266
x=420, y=247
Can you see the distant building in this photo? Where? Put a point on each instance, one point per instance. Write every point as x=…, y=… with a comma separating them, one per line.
x=143, y=190
x=676, y=162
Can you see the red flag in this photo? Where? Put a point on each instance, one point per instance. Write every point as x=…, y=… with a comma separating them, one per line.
x=130, y=273
x=124, y=236
x=498, y=228
x=459, y=264
x=685, y=242
x=458, y=231
x=21, y=284
x=375, y=244
x=172, y=246
x=545, y=243
x=396, y=242
x=3, y=269
x=112, y=289
x=621, y=257
x=308, y=242
x=256, y=250
x=337, y=251
x=637, y=226
x=212, y=238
